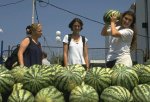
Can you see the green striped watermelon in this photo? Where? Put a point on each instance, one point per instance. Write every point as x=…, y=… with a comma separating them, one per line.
x=108, y=70
x=17, y=86
x=0, y=98
x=79, y=68
x=143, y=72
x=98, y=78
x=144, y=75
x=138, y=67
x=84, y=93
x=18, y=73
x=56, y=67
x=6, y=80
x=108, y=14
x=21, y=96
x=51, y=70
x=68, y=78
x=49, y=94
x=116, y=94
x=124, y=76
x=35, y=79
x=141, y=93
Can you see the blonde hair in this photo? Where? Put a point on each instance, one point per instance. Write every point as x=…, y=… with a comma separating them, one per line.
x=32, y=28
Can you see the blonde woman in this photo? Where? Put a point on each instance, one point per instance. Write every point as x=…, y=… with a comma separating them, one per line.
x=30, y=51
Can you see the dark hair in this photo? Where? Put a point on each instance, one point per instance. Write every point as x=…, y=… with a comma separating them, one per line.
x=76, y=20
x=134, y=39
x=44, y=54
x=28, y=31
x=131, y=14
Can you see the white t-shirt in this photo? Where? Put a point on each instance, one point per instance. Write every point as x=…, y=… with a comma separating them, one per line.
x=75, y=52
x=119, y=47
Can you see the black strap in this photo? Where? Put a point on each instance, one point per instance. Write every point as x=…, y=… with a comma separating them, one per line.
x=69, y=39
x=29, y=39
x=83, y=40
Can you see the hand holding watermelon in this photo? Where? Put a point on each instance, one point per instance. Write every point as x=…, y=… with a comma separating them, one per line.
x=111, y=15
x=113, y=18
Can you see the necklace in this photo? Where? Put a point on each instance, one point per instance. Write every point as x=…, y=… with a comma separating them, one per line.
x=36, y=42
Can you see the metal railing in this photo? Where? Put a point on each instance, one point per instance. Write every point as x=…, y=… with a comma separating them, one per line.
x=55, y=54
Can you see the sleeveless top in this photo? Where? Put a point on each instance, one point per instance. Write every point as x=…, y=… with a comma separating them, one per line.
x=33, y=54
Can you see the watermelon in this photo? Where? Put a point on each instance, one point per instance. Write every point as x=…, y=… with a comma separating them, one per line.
x=141, y=93
x=18, y=73
x=116, y=94
x=124, y=76
x=56, y=67
x=108, y=14
x=79, y=68
x=144, y=76
x=68, y=78
x=35, y=79
x=49, y=94
x=84, y=93
x=17, y=86
x=108, y=70
x=138, y=67
x=0, y=98
x=21, y=96
x=6, y=80
x=99, y=78
x=143, y=72
x=51, y=70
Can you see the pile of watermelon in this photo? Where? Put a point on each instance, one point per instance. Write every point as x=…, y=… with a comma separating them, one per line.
x=54, y=83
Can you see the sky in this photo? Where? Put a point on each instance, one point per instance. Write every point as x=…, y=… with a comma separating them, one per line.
x=55, y=16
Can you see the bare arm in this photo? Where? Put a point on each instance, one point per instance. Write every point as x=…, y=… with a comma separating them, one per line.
x=65, y=54
x=24, y=44
x=114, y=31
x=104, y=30
x=86, y=58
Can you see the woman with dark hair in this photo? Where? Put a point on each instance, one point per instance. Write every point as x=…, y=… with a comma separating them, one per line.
x=122, y=38
x=30, y=51
x=75, y=50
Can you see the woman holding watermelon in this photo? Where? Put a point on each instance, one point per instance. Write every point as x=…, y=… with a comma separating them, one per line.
x=122, y=38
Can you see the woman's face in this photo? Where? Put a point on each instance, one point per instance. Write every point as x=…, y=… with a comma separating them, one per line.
x=39, y=31
x=127, y=21
x=76, y=27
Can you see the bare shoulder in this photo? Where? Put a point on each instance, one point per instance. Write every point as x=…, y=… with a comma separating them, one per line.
x=25, y=41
